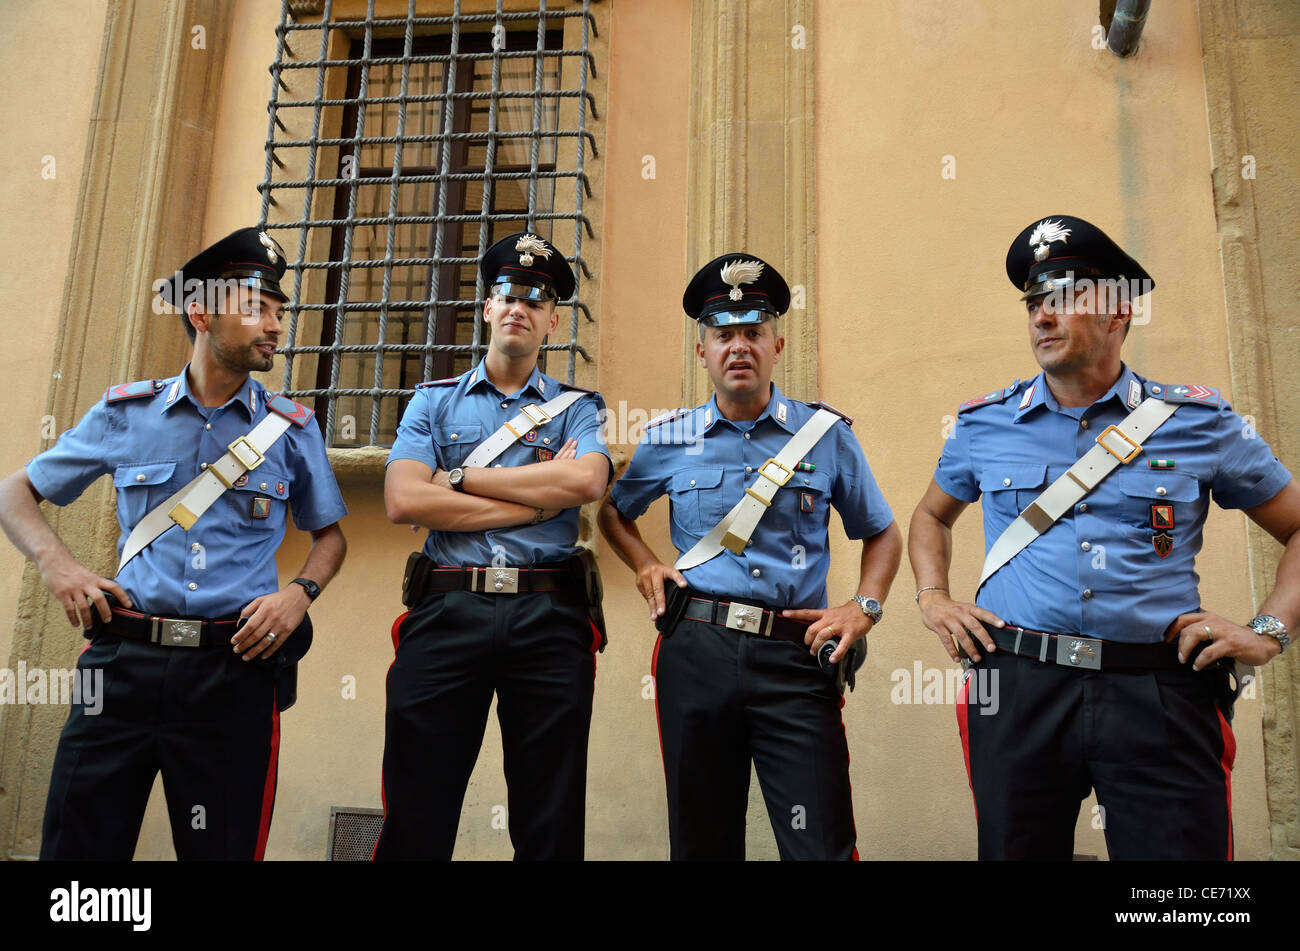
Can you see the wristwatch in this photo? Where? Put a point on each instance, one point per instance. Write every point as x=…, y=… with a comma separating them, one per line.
x=311, y=587
x=457, y=479
x=870, y=607
x=1271, y=626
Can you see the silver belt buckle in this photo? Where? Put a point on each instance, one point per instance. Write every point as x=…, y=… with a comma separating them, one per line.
x=1078, y=652
x=744, y=617
x=501, y=580
x=176, y=632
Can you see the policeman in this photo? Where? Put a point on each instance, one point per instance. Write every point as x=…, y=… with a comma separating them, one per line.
x=194, y=635
x=1096, y=482
x=751, y=476
x=496, y=463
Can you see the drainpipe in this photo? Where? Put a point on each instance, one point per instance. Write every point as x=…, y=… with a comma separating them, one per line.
x=1126, y=26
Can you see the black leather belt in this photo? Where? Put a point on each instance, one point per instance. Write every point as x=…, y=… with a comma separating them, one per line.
x=491, y=580
x=1085, y=653
x=168, y=631
x=747, y=617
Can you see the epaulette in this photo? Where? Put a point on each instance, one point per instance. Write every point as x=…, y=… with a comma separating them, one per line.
x=1184, y=393
x=831, y=409
x=665, y=417
x=447, y=382
x=581, y=389
x=997, y=396
x=295, y=413
x=130, y=391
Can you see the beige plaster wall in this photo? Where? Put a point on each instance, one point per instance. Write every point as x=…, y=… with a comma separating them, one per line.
x=917, y=313
x=45, y=112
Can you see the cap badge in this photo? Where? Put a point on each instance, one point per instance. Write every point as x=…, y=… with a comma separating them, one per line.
x=1044, y=235
x=528, y=245
x=269, y=243
x=740, y=272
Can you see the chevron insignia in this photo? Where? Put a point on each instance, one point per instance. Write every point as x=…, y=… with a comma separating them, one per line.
x=295, y=413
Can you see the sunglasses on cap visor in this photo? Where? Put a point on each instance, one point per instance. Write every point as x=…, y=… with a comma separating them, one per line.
x=523, y=291
x=726, y=318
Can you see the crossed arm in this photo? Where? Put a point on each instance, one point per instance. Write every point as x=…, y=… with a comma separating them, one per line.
x=493, y=498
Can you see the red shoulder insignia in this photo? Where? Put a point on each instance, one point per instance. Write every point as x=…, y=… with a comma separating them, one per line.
x=294, y=412
x=129, y=391
x=1185, y=393
x=447, y=382
x=997, y=396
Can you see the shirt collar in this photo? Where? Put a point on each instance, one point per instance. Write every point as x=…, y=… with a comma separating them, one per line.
x=1039, y=394
x=538, y=382
x=778, y=410
x=251, y=395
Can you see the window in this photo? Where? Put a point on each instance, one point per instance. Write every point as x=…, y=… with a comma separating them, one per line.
x=423, y=140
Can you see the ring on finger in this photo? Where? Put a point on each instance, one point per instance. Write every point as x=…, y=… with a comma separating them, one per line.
x=1209, y=634
x=270, y=636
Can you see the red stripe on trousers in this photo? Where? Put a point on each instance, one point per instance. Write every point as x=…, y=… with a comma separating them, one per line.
x=654, y=677
x=963, y=727
x=1229, y=756
x=268, y=790
x=847, y=760
x=383, y=795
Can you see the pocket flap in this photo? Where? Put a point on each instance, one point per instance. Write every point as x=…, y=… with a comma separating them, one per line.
x=1148, y=483
x=456, y=435
x=697, y=478
x=143, y=473
x=1012, y=477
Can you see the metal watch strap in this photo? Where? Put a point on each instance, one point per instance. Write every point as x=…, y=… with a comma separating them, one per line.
x=1116, y=446
x=529, y=416
x=1266, y=625
x=185, y=506
x=737, y=526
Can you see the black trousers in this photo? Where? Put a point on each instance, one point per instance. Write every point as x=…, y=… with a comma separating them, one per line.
x=724, y=697
x=1153, y=743
x=204, y=717
x=454, y=650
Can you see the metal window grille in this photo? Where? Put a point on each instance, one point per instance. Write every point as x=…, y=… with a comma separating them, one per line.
x=426, y=139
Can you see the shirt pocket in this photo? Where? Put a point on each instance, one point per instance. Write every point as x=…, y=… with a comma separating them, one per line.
x=261, y=499
x=453, y=442
x=802, y=503
x=1008, y=489
x=1154, y=501
x=697, y=498
x=141, y=486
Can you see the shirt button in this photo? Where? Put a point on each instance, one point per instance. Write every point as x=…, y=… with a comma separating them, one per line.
x=195, y=547
x=140, y=477
x=262, y=486
x=692, y=482
x=1083, y=506
x=208, y=426
x=503, y=406
x=193, y=586
x=1086, y=547
x=1006, y=481
x=497, y=466
x=1160, y=490
x=1083, y=424
x=455, y=435
x=203, y=465
x=746, y=435
x=1087, y=593
x=756, y=573
x=749, y=468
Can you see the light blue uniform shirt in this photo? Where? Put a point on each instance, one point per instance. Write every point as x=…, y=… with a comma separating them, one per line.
x=705, y=462
x=1097, y=571
x=446, y=419
x=152, y=445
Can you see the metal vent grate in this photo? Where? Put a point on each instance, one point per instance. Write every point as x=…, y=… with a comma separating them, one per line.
x=353, y=833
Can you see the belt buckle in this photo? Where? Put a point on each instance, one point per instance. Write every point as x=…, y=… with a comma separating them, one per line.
x=1078, y=652
x=501, y=580
x=744, y=617
x=176, y=632
x=248, y=455
x=535, y=414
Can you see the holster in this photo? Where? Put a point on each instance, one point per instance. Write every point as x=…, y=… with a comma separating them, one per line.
x=1230, y=677
x=415, y=579
x=847, y=669
x=587, y=573
x=675, y=601
x=286, y=664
